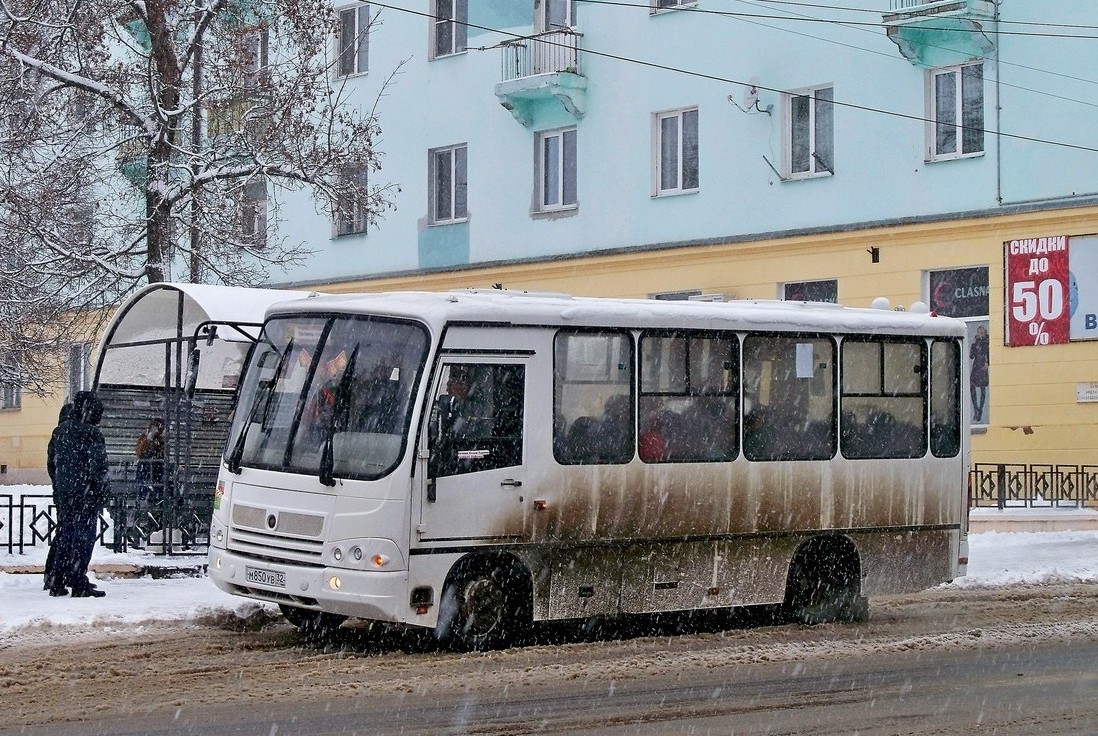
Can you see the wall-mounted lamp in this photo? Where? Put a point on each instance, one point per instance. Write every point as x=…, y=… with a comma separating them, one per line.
x=874, y=254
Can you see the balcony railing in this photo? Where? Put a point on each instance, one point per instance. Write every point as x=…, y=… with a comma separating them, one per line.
x=550, y=52
x=902, y=6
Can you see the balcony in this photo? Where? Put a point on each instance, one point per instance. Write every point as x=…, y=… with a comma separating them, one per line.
x=539, y=69
x=943, y=32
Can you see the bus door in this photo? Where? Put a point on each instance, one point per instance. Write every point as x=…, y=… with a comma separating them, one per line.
x=476, y=438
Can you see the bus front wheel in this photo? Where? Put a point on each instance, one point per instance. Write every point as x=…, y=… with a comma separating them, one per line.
x=313, y=625
x=480, y=609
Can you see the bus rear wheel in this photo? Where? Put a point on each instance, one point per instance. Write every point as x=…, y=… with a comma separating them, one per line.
x=480, y=610
x=825, y=585
x=313, y=625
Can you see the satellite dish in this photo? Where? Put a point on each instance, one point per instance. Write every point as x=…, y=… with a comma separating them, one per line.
x=751, y=93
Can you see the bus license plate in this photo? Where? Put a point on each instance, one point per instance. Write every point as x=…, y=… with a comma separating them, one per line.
x=273, y=578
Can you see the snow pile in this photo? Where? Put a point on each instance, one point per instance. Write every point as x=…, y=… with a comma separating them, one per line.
x=995, y=559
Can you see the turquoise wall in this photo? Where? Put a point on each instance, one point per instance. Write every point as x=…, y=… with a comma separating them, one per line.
x=648, y=63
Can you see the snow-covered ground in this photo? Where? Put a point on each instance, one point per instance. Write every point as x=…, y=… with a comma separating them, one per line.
x=995, y=559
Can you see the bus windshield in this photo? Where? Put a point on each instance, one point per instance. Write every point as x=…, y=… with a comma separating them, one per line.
x=328, y=396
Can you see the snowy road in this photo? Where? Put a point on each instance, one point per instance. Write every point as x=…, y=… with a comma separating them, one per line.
x=1013, y=660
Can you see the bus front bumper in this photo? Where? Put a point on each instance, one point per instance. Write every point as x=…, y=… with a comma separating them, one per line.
x=368, y=594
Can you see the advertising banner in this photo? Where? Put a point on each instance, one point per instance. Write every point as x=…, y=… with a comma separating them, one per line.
x=1037, y=291
x=1083, y=288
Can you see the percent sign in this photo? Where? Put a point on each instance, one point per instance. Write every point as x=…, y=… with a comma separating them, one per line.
x=1040, y=335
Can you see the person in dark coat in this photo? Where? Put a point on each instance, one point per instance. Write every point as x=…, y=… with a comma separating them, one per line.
x=49, y=577
x=81, y=485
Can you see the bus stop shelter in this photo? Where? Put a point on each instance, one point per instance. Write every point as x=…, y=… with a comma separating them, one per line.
x=173, y=351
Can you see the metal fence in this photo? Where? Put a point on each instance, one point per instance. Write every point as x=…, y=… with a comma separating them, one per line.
x=544, y=53
x=166, y=523
x=1008, y=485
x=160, y=524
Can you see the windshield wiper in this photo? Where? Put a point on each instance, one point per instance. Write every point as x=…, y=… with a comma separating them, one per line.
x=234, y=458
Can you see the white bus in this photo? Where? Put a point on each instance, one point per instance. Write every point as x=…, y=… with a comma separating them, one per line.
x=476, y=461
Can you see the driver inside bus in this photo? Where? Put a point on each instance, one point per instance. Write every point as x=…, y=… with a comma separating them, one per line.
x=463, y=413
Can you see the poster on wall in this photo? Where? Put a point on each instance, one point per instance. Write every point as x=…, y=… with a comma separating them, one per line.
x=979, y=354
x=1036, y=290
x=963, y=293
x=1083, y=288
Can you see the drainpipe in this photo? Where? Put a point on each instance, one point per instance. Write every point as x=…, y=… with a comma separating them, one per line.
x=998, y=113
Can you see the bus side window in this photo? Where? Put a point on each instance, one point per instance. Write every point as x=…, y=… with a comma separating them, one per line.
x=883, y=398
x=945, y=398
x=593, y=418
x=688, y=397
x=477, y=418
x=789, y=385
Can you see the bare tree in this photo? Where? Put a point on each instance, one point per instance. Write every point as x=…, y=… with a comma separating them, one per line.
x=138, y=142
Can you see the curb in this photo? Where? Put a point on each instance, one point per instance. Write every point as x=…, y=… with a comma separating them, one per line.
x=110, y=570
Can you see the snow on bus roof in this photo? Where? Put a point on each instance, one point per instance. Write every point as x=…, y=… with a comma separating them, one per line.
x=520, y=307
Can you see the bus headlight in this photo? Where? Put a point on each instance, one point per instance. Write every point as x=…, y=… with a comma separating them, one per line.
x=218, y=533
x=364, y=554
x=334, y=582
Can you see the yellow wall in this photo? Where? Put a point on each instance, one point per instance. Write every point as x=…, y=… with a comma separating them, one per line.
x=1035, y=417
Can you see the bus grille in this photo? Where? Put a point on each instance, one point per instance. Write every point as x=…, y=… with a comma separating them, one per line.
x=275, y=548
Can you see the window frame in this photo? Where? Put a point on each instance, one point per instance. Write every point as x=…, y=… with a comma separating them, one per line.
x=11, y=396
x=599, y=385
x=813, y=286
x=257, y=59
x=360, y=50
x=252, y=212
x=459, y=180
x=818, y=166
x=882, y=425
x=358, y=220
x=457, y=18
x=681, y=150
x=545, y=20
x=561, y=169
x=667, y=351
x=766, y=440
x=968, y=116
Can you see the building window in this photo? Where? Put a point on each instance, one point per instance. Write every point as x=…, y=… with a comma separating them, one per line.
x=449, y=184
x=257, y=60
x=963, y=293
x=676, y=296
x=658, y=5
x=11, y=396
x=354, y=40
x=809, y=132
x=559, y=14
x=450, y=30
x=557, y=175
x=955, y=101
x=676, y=168
x=352, y=211
x=826, y=290
x=253, y=213
x=80, y=373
